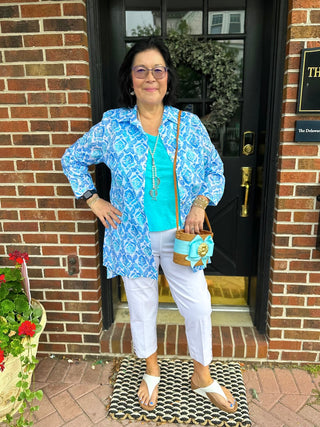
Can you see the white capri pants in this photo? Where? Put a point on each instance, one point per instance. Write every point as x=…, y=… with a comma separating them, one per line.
x=190, y=292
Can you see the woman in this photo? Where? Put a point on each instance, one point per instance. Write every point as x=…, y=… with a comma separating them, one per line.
x=138, y=143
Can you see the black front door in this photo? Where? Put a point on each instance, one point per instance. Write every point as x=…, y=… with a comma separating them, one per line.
x=228, y=92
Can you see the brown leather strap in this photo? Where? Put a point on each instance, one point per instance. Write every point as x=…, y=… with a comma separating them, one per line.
x=175, y=172
x=175, y=179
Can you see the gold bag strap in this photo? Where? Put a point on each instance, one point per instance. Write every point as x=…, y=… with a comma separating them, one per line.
x=175, y=179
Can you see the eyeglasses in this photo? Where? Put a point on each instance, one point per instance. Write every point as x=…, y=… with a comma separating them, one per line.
x=141, y=72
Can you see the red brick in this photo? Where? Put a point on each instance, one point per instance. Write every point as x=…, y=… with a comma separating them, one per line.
x=38, y=40
x=287, y=300
x=307, y=190
x=34, y=165
x=79, y=98
x=295, y=203
x=75, y=39
x=11, y=41
x=298, y=150
x=40, y=238
x=285, y=190
x=25, y=85
x=314, y=278
x=298, y=16
x=306, y=217
x=226, y=340
x=70, y=112
x=291, y=253
x=302, y=312
x=35, y=191
x=49, y=125
x=40, y=215
x=299, y=356
x=57, y=227
x=69, y=84
x=77, y=69
x=9, y=12
x=311, y=346
x=285, y=345
x=161, y=335
x=80, y=125
x=14, y=126
x=304, y=31
x=21, y=26
x=52, y=348
x=239, y=348
x=127, y=340
x=294, y=229
x=23, y=55
x=56, y=337
x=64, y=24
x=47, y=98
x=74, y=9
x=27, y=139
x=171, y=339
x=28, y=112
x=305, y=265
x=77, y=54
x=62, y=316
x=40, y=10
x=290, y=277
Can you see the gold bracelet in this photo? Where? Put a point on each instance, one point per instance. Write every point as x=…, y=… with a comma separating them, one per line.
x=201, y=202
x=92, y=200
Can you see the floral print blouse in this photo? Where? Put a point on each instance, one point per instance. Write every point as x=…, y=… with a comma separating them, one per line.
x=120, y=142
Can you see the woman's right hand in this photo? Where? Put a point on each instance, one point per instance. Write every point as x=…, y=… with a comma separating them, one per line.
x=106, y=212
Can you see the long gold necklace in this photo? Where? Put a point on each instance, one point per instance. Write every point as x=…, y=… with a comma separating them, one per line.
x=155, y=179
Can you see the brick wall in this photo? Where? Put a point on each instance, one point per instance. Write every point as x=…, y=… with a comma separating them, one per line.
x=45, y=106
x=294, y=299
x=45, y=98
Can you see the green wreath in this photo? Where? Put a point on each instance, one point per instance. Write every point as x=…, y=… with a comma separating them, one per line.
x=218, y=63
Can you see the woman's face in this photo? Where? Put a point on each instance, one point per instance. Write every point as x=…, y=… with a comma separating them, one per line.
x=149, y=91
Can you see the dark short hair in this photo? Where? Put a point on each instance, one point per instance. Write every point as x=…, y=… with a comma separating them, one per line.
x=125, y=80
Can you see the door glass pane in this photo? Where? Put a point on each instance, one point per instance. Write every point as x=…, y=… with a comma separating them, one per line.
x=185, y=16
x=226, y=17
x=143, y=18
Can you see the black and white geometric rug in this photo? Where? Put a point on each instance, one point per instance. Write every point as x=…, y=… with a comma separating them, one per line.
x=177, y=403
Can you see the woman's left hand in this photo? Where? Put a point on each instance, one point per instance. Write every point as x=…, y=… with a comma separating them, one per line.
x=194, y=220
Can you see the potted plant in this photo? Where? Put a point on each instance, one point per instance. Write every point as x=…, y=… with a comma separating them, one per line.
x=22, y=319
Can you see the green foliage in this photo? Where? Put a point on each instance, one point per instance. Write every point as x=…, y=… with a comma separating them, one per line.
x=218, y=63
x=14, y=309
x=25, y=395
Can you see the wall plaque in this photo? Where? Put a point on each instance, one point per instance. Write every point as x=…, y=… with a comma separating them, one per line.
x=307, y=131
x=309, y=84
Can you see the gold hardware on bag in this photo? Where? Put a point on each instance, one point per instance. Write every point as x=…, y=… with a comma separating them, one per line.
x=248, y=140
x=203, y=249
x=246, y=182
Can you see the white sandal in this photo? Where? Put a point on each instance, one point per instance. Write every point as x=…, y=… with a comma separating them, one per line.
x=213, y=389
x=151, y=382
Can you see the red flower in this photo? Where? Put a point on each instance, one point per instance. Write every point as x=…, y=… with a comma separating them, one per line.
x=19, y=257
x=1, y=367
x=1, y=355
x=27, y=328
x=2, y=278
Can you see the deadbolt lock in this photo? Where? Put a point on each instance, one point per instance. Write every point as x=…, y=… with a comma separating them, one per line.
x=248, y=141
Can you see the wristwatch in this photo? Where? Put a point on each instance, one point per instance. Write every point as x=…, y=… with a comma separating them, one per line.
x=88, y=194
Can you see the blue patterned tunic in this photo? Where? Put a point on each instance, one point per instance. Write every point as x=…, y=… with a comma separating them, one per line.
x=120, y=142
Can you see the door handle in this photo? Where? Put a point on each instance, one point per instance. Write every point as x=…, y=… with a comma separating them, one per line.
x=248, y=141
x=246, y=183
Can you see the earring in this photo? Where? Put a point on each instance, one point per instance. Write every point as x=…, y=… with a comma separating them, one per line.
x=167, y=93
x=132, y=92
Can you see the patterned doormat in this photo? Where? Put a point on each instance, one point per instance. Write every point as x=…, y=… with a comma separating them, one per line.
x=177, y=403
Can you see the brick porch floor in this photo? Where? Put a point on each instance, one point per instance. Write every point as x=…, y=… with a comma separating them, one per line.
x=76, y=395
x=240, y=343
